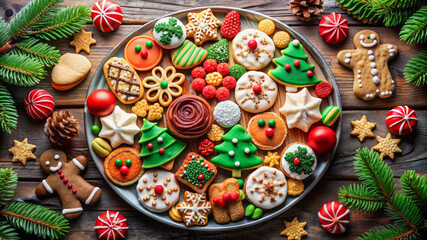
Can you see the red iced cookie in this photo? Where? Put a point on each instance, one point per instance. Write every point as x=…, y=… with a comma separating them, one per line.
x=323, y=89
x=143, y=53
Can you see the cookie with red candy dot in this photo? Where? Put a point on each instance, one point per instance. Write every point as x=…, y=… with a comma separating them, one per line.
x=222, y=94
x=210, y=65
x=209, y=91
x=333, y=28
x=206, y=148
x=401, y=120
x=323, y=89
x=334, y=217
x=198, y=72
x=106, y=15
x=231, y=25
x=223, y=69
x=198, y=84
x=111, y=225
x=229, y=82
x=39, y=104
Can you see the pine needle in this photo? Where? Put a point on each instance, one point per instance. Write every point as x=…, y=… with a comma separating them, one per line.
x=415, y=70
x=358, y=197
x=33, y=48
x=4, y=36
x=7, y=232
x=415, y=29
x=390, y=232
x=403, y=211
x=8, y=179
x=20, y=70
x=415, y=187
x=8, y=120
x=360, y=9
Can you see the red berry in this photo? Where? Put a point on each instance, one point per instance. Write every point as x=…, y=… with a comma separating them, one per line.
x=200, y=186
x=59, y=171
x=231, y=25
x=297, y=161
x=215, y=201
x=252, y=44
x=198, y=72
x=223, y=69
x=61, y=175
x=198, y=84
x=158, y=189
x=323, y=89
x=150, y=146
x=296, y=63
x=70, y=185
x=221, y=202
x=74, y=191
x=309, y=73
x=124, y=170
x=222, y=94
x=161, y=150
x=257, y=88
x=287, y=66
x=226, y=196
x=269, y=132
x=234, y=196
x=200, y=177
x=144, y=54
x=65, y=180
x=229, y=82
x=210, y=65
x=209, y=91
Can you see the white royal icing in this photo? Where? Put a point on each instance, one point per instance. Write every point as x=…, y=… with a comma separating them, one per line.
x=78, y=164
x=348, y=55
x=54, y=169
x=371, y=57
x=47, y=187
x=347, y=60
x=285, y=164
x=47, y=163
x=71, y=210
x=374, y=71
x=366, y=45
x=376, y=80
x=92, y=195
x=175, y=41
x=373, y=64
x=56, y=156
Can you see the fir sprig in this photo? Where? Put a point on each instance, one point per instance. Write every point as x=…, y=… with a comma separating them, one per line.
x=389, y=232
x=353, y=194
x=415, y=187
x=415, y=70
x=20, y=70
x=4, y=36
x=360, y=9
x=403, y=211
x=43, y=52
x=8, y=179
x=415, y=28
x=7, y=232
x=35, y=220
x=8, y=112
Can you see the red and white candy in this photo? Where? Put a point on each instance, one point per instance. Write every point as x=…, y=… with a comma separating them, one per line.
x=334, y=217
x=106, y=15
x=111, y=225
x=39, y=104
x=333, y=28
x=401, y=120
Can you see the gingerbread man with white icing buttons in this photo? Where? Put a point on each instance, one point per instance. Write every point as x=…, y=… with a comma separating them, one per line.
x=65, y=180
x=369, y=63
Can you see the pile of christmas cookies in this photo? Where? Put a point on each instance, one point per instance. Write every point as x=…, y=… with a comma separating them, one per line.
x=224, y=110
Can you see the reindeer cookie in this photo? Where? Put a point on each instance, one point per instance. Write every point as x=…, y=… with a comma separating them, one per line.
x=369, y=63
x=65, y=180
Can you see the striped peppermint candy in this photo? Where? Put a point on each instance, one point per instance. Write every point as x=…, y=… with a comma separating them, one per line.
x=334, y=217
x=39, y=104
x=333, y=28
x=111, y=225
x=106, y=15
x=401, y=120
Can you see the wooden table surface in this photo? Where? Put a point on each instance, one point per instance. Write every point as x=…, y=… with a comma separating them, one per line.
x=340, y=173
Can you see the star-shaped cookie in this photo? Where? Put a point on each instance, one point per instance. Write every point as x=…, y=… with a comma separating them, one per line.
x=301, y=109
x=202, y=26
x=362, y=129
x=22, y=151
x=82, y=41
x=294, y=230
x=387, y=146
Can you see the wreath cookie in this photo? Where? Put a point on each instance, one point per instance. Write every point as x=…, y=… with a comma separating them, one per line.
x=202, y=26
x=165, y=87
x=253, y=49
x=298, y=161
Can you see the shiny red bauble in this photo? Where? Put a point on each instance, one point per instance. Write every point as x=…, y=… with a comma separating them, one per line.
x=252, y=44
x=124, y=170
x=101, y=103
x=322, y=139
x=257, y=88
x=401, y=120
x=106, y=15
x=158, y=190
x=39, y=104
x=111, y=225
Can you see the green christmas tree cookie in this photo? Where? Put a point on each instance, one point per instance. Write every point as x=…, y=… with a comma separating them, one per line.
x=157, y=146
x=236, y=153
x=292, y=69
x=218, y=51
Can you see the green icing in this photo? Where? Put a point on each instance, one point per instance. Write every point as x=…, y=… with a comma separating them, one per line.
x=218, y=51
x=176, y=53
x=237, y=71
x=294, y=51
x=194, y=168
x=307, y=161
x=167, y=141
x=189, y=55
x=194, y=56
x=168, y=30
x=246, y=160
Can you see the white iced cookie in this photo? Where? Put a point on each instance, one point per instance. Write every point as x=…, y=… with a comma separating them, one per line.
x=266, y=187
x=253, y=49
x=169, y=33
x=119, y=127
x=301, y=110
x=158, y=190
x=302, y=159
x=255, y=92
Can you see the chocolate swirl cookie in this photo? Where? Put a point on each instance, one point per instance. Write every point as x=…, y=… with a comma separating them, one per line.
x=189, y=116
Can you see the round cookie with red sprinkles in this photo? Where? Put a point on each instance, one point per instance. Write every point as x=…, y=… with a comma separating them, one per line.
x=229, y=82
x=222, y=93
x=198, y=84
x=223, y=69
x=209, y=91
x=210, y=65
x=198, y=72
x=323, y=89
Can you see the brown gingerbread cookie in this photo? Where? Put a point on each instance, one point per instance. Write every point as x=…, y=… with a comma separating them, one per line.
x=64, y=179
x=268, y=130
x=225, y=199
x=369, y=63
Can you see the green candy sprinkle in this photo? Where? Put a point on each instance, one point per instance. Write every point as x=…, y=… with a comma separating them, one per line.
x=261, y=123
x=240, y=183
x=138, y=48
x=369, y=37
x=237, y=71
x=249, y=210
x=194, y=169
x=128, y=162
x=164, y=84
x=257, y=213
x=218, y=51
x=149, y=44
x=118, y=162
x=272, y=123
x=95, y=129
x=242, y=195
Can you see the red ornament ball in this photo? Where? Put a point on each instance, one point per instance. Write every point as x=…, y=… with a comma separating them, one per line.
x=322, y=139
x=221, y=202
x=111, y=225
x=106, y=15
x=198, y=72
x=252, y=44
x=209, y=91
x=124, y=170
x=210, y=65
x=257, y=88
x=158, y=189
x=74, y=191
x=401, y=120
x=200, y=177
x=144, y=54
x=323, y=89
x=161, y=150
x=215, y=201
x=198, y=84
x=287, y=66
x=200, y=186
x=223, y=69
x=39, y=104
x=334, y=217
x=297, y=161
x=309, y=73
x=226, y=196
x=297, y=63
x=234, y=196
x=269, y=132
x=150, y=146
x=222, y=94
x=333, y=28
x=101, y=102
x=229, y=82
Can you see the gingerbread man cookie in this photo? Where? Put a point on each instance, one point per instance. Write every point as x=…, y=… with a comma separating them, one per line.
x=369, y=63
x=65, y=180
x=225, y=200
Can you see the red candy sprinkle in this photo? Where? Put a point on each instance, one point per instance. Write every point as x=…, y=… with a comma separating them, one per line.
x=215, y=201
x=206, y=147
x=124, y=170
x=210, y=65
x=198, y=72
x=209, y=91
x=296, y=63
x=200, y=185
x=221, y=202
x=200, y=177
x=74, y=191
x=269, y=132
x=70, y=185
x=257, y=88
x=226, y=196
x=161, y=150
x=252, y=44
x=223, y=69
x=61, y=175
x=144, y=54
x=222, y=94
x=150, y=146
x=234, y=196
x=65, y=180
x=297, y=161
x=209, y=169
x=309, y=73
x=229, y=82
x=287, y=66
x=198, y=84
x=158, y=189
x=59, y=171
x=323, y=89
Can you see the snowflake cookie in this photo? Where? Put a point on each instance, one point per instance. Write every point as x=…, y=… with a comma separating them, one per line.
x=202, y=26
x=195, y=209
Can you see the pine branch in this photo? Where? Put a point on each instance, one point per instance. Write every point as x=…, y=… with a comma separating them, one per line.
x=403, y=211
x=415, y=187
x=359, y=198
x=8, y=179
x=31, y=14
x=7, y=232
x=4, y=36
x=36, y=220
x=63, y=24
x=415, y=70
x=415, y=29
x=20, y=70
x=8, y=112
x=360, y=9
x=394, y=13
x=402, y=3
x=373, y=172
x=33, y=48
x=390, y=232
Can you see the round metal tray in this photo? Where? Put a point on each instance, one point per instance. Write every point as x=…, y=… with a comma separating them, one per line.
x=249, y=19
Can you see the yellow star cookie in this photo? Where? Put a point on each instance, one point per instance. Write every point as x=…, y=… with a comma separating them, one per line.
x=22, y=151
x=362, y=129
x=82, y=41
x=272, y=159
x=294, y=230
x=387, y=146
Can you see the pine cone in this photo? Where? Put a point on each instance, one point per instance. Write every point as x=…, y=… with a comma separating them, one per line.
x=61, y=128
x=306, y=10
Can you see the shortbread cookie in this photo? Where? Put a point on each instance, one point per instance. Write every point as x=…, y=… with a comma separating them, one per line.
x=202, y=26
x=194, y=209
x=143, y=53
x=123, y=166
x=298, y=161
x=268, y=130
x=71, y=70
x=362, y=128
x=253, y=49
x=22, y=151
x=82, y=41
x=387, y=146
